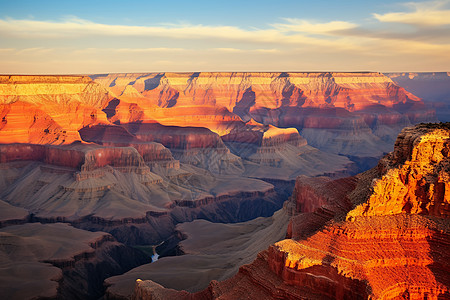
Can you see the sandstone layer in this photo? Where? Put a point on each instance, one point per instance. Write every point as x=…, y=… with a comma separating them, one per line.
x=136, y=154
x=49, y=109
x=380, y=235
x=369, y=105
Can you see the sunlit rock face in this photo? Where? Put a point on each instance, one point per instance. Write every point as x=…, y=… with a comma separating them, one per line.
x=415, y=176
x=196, y=146
x=136, y=154
x=240, y=92
x=357, y=114
x=49, y=109
x=382, y=234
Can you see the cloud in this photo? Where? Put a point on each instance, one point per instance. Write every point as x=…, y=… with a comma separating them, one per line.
x=296, y=25
x=148, y=50
x=82, y=46
x=72, y=28
x=227, y=50
x=431, y=13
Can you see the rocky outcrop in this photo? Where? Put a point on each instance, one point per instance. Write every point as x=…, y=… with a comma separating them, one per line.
x=22, y=122
x=415, y=176
x=192, y=145
x=392, y=244
x=197, y=146
x=273, y=153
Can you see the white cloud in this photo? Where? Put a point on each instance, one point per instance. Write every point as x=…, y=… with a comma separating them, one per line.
x=432, y=13
x=77, y=28
x=296, y=25
x=293, y=44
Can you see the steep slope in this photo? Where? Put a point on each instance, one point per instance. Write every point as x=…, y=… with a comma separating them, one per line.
x=240, y=92
x=113, y=189
x=393, y=244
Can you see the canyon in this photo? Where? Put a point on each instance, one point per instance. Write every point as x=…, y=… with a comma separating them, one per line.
x=356, y=238
x=210, y=167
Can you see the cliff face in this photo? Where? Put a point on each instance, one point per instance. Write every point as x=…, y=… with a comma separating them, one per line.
x=324, y=107
x=240, y=92
x=49, y=109
x=393, y=244
x=197, y=146
x=79, y=157
x=281, y=153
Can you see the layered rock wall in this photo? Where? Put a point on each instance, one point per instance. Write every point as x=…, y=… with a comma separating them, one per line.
x=49, y=109
x=78, y=157
x=241, y=91
x=325, y=107
x=393, y=245
x=415, y=176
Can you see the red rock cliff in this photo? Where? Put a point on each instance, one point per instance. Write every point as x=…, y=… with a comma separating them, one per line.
x=219, y=101
x=49, y=109
x=381, y=250
x=77, y=156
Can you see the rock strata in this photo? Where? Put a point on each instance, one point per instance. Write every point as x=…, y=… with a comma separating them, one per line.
x=405, y=214
x=324, y=107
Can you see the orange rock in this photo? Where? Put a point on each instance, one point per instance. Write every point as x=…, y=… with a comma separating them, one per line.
x=381, y=249
x=219, y=101
x=49, y=109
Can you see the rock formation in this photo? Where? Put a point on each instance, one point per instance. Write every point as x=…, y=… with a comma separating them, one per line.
x=281, y=153
x=380, y=235
x=324, y=107
x=136, y=154
x=49, y=109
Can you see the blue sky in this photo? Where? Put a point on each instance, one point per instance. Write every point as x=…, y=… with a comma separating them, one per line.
x=147, y=36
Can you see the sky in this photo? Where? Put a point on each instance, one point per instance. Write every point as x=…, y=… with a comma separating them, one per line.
x=93, y=37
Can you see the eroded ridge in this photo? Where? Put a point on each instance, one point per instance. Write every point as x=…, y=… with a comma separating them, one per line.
x=387, y=237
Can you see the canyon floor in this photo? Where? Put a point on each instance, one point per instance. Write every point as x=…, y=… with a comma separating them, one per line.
x=211, y=171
